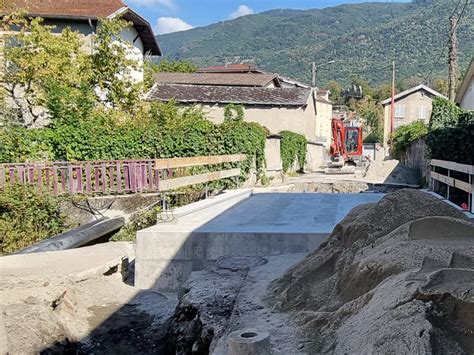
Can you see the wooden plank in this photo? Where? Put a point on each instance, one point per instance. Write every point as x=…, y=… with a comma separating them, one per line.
x=462, y=185
x=196, y=161
x=119, y=177
x=170, y=184
x=442, y=178
x=88, y=178
x=463, y=168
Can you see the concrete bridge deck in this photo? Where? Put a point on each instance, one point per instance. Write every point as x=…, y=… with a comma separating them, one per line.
x=237, y=223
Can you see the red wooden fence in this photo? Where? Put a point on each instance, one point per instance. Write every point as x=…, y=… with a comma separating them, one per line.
x=89, y=177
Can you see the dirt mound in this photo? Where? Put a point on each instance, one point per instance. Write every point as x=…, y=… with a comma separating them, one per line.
x=391, y=172
x=393, y=277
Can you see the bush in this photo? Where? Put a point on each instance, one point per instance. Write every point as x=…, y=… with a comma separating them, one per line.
x=27, y=217
x=452, y=144
x=451, y=133
x=405, y=135
x=292, y=149
x=444, y=114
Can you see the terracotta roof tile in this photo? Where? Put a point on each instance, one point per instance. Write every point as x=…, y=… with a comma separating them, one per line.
x=230, y=94
x=215, y=79
x=68, y=8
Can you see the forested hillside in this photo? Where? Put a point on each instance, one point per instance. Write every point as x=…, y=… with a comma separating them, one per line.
x=362, y=38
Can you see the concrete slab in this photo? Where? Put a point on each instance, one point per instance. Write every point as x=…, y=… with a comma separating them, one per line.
x=260, y=224
x=74, y=264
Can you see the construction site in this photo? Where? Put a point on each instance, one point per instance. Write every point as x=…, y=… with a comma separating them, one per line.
x=314, y=264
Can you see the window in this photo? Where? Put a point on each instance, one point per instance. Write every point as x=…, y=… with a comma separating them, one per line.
x=399, y=111
x=422, y=113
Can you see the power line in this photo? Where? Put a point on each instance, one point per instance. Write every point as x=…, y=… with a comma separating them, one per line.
x=450, y=34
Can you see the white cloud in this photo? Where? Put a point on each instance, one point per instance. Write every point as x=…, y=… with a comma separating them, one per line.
x=149, y=3
x=171, y=24
x=242, y=10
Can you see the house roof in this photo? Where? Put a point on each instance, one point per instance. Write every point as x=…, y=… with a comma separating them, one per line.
x=89, y=9
x=230, y=68
x=217, y=79
x=465, y=82
x=230, y=95
x=411, y=91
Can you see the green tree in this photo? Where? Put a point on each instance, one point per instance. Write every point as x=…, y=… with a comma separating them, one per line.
x=335, y=91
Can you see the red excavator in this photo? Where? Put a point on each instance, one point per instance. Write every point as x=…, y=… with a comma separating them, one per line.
x=346, y=148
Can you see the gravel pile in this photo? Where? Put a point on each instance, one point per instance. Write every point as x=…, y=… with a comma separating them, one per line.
x=393, y=277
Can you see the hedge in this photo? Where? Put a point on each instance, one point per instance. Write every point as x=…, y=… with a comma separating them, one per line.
x=293, y=148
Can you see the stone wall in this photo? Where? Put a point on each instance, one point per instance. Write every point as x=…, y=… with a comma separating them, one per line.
x=416, y=157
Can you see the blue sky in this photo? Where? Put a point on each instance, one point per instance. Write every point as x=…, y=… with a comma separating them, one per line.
x=173, y=15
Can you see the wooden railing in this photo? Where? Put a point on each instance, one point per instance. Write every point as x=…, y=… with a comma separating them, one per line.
x=115, y=176
x=454, y=181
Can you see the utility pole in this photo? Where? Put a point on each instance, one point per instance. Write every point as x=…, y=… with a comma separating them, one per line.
x=392, y=104
x=313, y=82
x=453, y=58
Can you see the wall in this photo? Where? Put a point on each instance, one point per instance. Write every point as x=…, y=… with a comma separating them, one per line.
x=416, y=157
x=315, y=156
x=272, y=154
x=412, y=103
x=467, y=101
x=323, y=121
x=301, y=120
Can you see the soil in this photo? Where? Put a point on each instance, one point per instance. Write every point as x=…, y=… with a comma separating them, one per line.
x=391, y=278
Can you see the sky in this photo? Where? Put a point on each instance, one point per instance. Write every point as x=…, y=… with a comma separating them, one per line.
x=168, y=16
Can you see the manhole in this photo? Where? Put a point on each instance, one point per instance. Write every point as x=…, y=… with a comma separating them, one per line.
x=235, y=263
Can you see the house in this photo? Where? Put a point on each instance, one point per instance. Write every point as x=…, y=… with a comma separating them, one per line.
x=84, y=16
x=465, y=94
x=265, y=100
x=410, y=105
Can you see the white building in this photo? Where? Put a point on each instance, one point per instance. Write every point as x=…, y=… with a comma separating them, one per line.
x=465, y=94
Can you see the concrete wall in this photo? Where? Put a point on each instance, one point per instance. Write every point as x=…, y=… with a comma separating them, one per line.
x=412, y=104
x=272, y=154
x=315, y=156
x=467, y=101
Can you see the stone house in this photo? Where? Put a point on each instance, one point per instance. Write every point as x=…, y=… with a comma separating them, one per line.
x=411, y=105
x=465, y=94
x=266, y=99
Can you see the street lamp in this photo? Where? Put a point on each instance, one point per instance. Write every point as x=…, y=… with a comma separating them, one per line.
x=315, y=68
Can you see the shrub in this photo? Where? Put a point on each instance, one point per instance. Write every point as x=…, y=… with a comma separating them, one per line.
x=451, y=133
x=405, y=135
x=444, y=114
x=292, y=149
x=27, y=216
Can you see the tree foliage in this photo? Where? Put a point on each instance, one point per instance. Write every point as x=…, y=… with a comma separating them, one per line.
x=48, y=69
x=405, y=135
x=362, y=38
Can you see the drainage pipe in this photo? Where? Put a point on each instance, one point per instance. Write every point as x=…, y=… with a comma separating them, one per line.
x=77, y=237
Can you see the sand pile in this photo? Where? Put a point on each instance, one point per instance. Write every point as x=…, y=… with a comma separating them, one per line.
x=393, y=277
x=391, y=172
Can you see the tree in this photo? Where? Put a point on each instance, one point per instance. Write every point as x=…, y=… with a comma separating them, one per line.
x=49, y=77
x=335, y=89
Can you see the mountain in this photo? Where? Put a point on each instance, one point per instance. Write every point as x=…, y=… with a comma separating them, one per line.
x=362, y=38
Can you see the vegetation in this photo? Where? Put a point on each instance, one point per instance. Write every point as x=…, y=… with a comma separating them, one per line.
x=292, y=149
x=362, y=38
x=26, y=217
x=405, y=135
x=450, y=133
